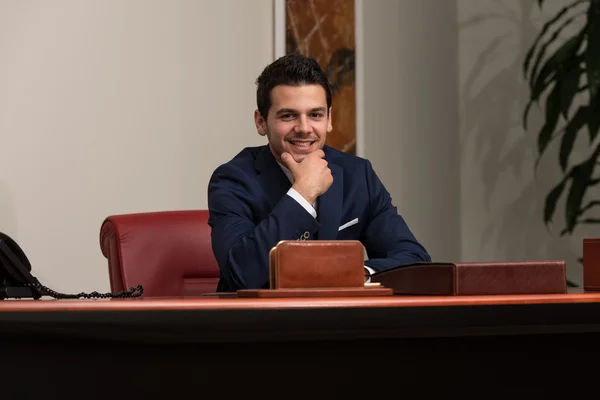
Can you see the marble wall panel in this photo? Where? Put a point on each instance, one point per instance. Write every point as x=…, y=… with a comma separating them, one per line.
x=325, y=30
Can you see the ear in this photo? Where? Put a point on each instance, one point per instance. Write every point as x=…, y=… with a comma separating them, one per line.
x=260, y=122
x=329, y=119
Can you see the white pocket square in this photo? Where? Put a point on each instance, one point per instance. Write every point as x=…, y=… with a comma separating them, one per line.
x=349, y=223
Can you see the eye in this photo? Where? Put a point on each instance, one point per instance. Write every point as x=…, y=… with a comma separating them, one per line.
x=317, y=115
x=286, y=116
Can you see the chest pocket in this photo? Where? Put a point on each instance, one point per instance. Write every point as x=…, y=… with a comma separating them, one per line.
x=350, y=230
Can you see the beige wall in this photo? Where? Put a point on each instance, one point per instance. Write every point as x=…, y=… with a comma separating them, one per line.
x=118, y=106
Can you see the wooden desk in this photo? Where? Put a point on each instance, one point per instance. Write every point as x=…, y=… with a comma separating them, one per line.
x=298, y=348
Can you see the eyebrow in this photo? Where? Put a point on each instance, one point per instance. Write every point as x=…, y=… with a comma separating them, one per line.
x=292, y=111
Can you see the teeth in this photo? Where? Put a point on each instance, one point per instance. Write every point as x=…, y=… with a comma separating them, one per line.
x=301, y=144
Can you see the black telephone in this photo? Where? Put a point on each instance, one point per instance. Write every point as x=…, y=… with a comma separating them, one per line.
x=16, y=280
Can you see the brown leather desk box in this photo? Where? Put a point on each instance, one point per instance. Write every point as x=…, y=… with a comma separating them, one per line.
x=591, y=264
x=476, y=278
x=318, y=268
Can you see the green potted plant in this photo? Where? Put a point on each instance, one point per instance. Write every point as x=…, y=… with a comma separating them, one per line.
x=565, y=84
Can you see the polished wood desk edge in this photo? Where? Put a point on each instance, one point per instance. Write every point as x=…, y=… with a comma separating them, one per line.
x=213, y=303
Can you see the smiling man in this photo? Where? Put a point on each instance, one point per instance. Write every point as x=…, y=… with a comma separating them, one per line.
x=296, y=187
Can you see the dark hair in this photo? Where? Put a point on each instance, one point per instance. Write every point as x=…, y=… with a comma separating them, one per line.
x=293, y=69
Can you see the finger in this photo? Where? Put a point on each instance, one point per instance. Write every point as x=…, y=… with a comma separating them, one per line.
x=288, y=161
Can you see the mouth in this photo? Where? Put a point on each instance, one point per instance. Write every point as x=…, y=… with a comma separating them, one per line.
x=302, y=146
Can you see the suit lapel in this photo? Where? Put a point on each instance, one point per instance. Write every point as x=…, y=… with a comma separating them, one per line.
x=330, y=205
x=272, y=178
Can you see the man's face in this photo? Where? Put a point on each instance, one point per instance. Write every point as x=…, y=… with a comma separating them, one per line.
x=298, y=121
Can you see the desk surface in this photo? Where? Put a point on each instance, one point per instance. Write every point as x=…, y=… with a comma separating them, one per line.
x=214, y=303
x=210, y=319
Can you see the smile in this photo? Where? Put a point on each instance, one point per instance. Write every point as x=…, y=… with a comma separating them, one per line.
x=301, y=143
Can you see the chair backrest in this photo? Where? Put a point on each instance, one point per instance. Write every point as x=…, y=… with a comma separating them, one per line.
x=168, y=252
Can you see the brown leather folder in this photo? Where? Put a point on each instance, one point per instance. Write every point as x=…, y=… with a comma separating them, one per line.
x=591, y=264
x=316, y=268
x=475, y=278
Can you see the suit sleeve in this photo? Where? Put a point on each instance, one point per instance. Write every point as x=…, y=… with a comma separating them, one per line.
x=241, y=246
x=387, y=238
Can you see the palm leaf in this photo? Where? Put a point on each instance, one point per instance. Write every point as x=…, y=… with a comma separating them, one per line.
x=570, y=85
x=592, y=61
x=562, y=60
x=579, y=186
x=593, y=121
x=553, y=197
x=544, y=30
x=552, y=114
x=568, y=139
x=544, y=48
x=572, y=284
x=581, y=180
x=565, y=53
x=590, y=221
x=592, y=55
x=588, y=206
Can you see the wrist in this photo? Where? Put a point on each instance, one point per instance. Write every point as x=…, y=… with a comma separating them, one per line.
x=305, y=194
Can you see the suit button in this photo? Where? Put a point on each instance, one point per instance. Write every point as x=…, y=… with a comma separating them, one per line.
x=304, y=236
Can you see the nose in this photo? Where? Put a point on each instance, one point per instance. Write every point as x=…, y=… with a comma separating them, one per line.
x=303, y=126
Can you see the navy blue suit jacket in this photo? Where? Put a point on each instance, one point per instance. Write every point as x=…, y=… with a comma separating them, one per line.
x=250, y=212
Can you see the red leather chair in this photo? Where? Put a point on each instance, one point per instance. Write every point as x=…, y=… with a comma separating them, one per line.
x=168, y=252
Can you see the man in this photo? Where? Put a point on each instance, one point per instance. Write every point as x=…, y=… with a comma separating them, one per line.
x=296, y=187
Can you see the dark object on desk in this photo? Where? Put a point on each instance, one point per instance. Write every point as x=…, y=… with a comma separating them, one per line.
x=16, y=280
x=476, y=278
x=591, y=265
x=219, y=295
x=317, y=268
x=365, y=291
